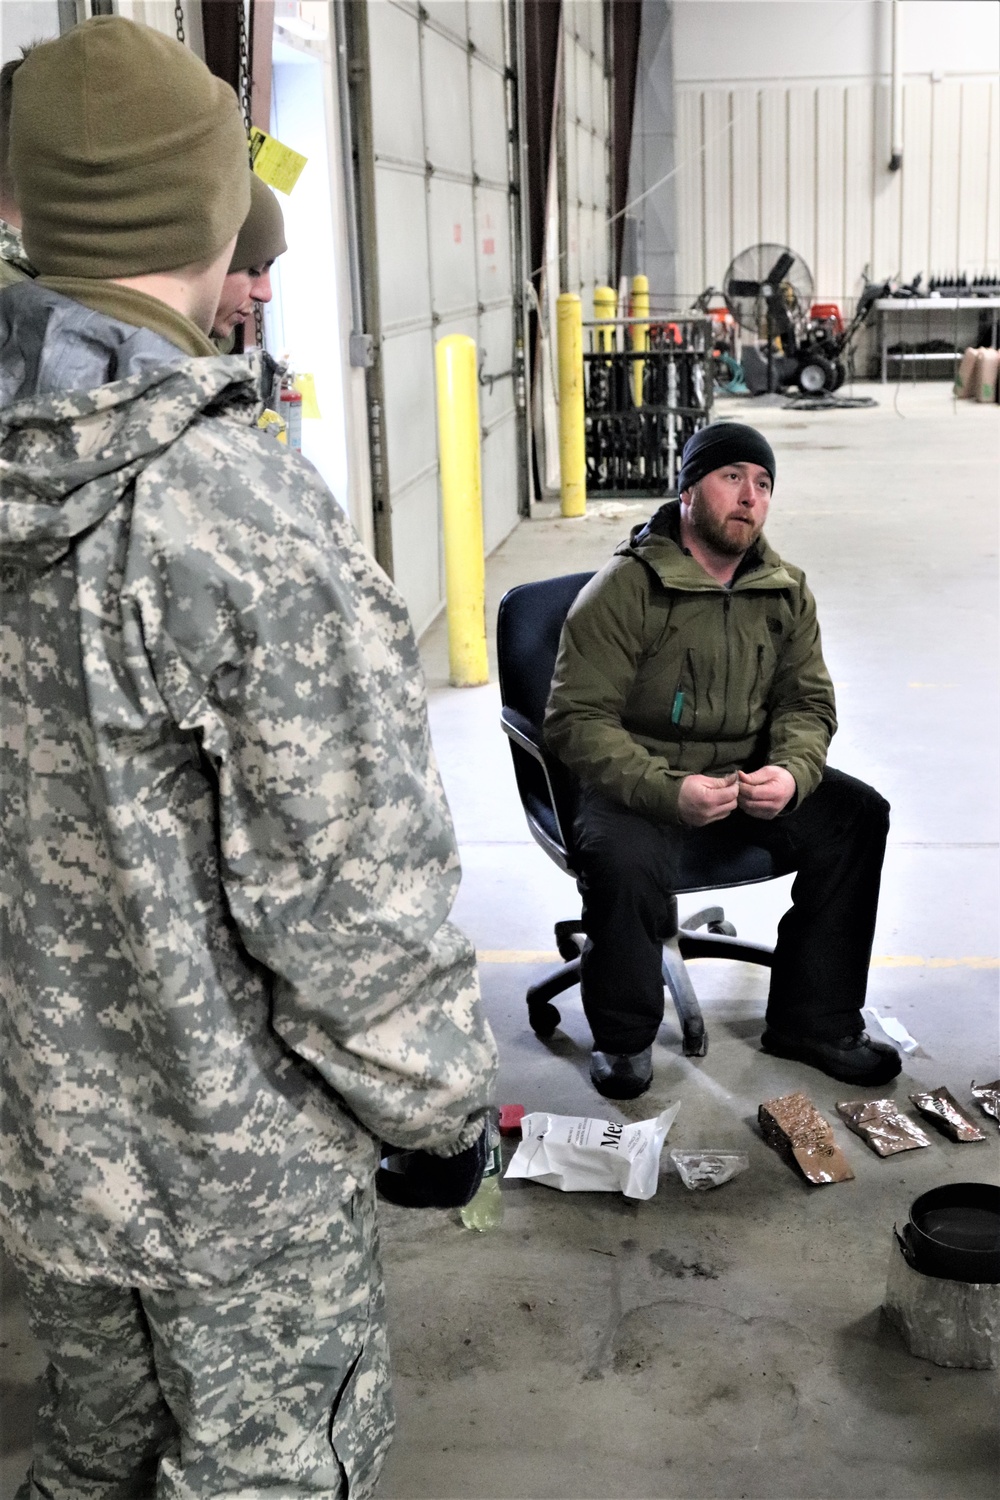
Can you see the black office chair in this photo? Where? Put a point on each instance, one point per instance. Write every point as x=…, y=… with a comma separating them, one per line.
x=528, y=628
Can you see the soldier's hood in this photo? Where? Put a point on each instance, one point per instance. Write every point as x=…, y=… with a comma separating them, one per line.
x=86, y=403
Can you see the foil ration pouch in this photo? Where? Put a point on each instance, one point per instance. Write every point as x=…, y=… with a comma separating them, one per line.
x=943, y=1108
x=799, y=1133
x=881, y=1126
x=988, y=1096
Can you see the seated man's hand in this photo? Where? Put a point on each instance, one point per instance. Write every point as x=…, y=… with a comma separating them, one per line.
x=707, y=799
x=763, y=793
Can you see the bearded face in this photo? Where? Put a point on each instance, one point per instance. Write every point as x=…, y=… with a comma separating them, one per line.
x=728, y=507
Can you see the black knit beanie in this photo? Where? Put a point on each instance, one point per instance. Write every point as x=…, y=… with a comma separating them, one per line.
x=722, y=443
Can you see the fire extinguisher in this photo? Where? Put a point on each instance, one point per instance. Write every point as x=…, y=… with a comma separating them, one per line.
x=290, y=406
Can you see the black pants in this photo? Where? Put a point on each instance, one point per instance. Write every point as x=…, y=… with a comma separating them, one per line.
x=629, y=866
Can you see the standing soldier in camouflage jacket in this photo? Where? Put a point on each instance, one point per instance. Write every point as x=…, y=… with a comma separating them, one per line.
x=226, y=966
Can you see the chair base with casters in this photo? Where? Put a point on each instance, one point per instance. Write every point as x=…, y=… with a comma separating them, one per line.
x=683, y=941
x=528, y=629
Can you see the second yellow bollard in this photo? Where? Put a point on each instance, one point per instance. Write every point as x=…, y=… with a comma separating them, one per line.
x=605, y=306
x=572, y=422
x=462, y=502
x=640, y=332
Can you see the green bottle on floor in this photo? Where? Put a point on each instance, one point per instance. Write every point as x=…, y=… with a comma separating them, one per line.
x=486, y=1209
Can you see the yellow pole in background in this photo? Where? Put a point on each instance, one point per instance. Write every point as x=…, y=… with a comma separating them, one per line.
x=572, y=430
x=605, y=306
x=640, y=332
x=462, y=500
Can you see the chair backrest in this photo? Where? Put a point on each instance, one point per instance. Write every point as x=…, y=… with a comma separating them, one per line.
x=529, y=624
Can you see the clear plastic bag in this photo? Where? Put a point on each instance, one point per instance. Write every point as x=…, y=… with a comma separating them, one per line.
x=700, y=1170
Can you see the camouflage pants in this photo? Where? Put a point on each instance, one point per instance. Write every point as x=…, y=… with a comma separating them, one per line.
x=276, y=1385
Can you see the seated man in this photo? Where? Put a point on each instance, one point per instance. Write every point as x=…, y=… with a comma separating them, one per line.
x=691, y=701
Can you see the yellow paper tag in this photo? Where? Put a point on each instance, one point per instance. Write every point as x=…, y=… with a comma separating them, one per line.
x=306, y=387
x=269, y=421
x=277, y=165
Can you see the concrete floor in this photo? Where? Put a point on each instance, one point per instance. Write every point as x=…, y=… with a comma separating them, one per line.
x=726, y=1344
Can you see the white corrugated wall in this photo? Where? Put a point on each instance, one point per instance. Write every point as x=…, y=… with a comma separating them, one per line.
x=807, y=166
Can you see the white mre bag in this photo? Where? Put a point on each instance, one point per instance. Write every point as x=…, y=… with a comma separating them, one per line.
x=577, y=1155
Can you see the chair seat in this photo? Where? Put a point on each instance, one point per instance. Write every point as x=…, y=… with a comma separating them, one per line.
x=727, y=863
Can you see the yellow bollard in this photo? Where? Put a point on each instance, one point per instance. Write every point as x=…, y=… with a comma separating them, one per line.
x=605, y=306
x=572, y=430
x=640, y=332
x=462, y=501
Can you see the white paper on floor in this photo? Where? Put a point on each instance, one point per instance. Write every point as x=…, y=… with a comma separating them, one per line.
x=579, y=1155
x=895, y=1031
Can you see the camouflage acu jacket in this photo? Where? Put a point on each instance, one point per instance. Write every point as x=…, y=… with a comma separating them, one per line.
x=14, y=264
x=227, y=864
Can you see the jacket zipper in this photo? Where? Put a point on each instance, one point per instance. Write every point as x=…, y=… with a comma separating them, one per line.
x=755, y=685
x=726, y=603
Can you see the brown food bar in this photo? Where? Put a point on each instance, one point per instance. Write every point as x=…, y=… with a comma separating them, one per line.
x=881, y=1125
x=988, y=1095
x=798, y=1132
x=941, y=1106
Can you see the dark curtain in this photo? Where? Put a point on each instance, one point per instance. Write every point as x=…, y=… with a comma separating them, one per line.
x=626, y=18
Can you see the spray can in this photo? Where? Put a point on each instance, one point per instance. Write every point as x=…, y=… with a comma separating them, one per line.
x=486, y=1209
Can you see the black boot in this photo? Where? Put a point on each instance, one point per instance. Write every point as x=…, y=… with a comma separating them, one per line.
x=853, y=1059
x=616, y=1075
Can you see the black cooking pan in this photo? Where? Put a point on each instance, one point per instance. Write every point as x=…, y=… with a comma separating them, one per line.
x=954, y=1232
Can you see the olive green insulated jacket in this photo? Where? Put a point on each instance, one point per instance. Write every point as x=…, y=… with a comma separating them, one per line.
x=662, y=673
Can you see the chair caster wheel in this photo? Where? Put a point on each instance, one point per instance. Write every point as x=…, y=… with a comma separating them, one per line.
x=724, y=929
x=543, y=1019
x=695, y=1039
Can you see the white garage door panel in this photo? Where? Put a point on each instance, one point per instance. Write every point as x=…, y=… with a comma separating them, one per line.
x=499, y=483
x=397, y=118
x=451, y=14
x=416, y=531
x=583, y=105
x=584, y=152
x=598, y=97
x=572, y=166
x=496, y=346
x=586, y=146
x=581, y=14
x=445, y=261
x=446, y=104
x=598, y=170
x=489, y=143
x=453, y=253
x=492, y=245
x=486, y=31
x=401, y=214
x=411, y=436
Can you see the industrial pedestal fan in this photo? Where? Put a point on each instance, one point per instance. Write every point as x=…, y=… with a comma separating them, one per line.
x=769, y=289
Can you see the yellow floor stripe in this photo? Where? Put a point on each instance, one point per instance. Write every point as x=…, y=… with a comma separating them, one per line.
x=879, y=961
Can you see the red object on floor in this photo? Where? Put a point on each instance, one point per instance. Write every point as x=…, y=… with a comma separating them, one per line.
x=511, y=1116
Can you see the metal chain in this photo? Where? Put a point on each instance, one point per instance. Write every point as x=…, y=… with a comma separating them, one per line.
x=246, y=85
x=179, y=20
x=244, y=66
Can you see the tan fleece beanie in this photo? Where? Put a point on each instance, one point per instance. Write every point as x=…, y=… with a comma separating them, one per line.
x=127, y=154
x=262, y=238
